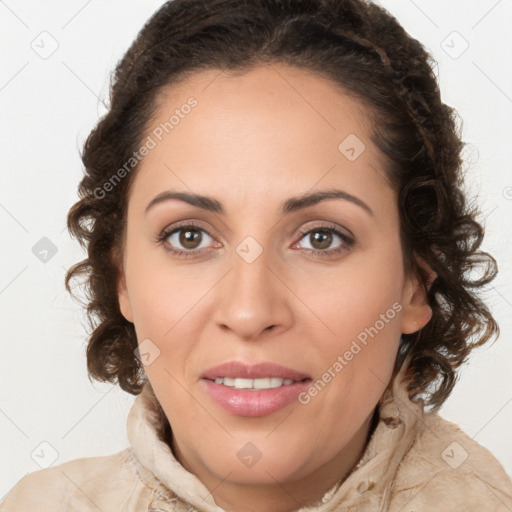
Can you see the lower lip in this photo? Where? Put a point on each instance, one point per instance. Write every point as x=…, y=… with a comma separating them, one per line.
x=254, y=403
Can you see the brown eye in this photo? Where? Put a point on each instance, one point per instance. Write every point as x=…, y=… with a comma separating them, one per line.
x=325, y=241
x=187, y=239
x=320, y=239
x=190, y=238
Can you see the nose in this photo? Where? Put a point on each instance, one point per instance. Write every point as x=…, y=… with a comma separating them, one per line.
x=252, y=300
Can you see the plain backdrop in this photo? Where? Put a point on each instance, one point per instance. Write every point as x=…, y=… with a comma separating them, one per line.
x=56, y=61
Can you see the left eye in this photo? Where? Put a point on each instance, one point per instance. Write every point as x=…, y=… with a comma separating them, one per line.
x=321, y=239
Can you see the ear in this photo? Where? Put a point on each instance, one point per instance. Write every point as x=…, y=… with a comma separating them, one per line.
x=124, y=300
x=416, y=310
x=122, y=293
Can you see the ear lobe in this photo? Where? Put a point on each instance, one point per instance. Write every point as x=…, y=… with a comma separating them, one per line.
x=416, y=310
x=122, y=295
x=124, y=300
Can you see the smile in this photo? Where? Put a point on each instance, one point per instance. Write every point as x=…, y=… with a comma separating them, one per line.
x=262, y=383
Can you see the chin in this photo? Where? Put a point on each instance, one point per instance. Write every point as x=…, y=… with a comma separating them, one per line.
x=250, y=465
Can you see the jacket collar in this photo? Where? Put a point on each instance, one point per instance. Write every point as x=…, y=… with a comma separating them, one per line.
x=369, y=483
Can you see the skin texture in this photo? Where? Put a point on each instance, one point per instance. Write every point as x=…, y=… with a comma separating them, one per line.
x=252, y=142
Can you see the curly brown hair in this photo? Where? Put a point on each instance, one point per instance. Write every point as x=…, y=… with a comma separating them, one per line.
x=366, y=52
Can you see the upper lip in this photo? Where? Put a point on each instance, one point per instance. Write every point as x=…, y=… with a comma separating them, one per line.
x=239, y=369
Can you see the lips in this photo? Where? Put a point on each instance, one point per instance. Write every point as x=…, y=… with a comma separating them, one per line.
x=237, y=369
x=234, y=387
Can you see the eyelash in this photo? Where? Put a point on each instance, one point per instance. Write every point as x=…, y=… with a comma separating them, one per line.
x=348, y=242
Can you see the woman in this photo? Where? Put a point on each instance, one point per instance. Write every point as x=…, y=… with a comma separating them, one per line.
x=279, y=258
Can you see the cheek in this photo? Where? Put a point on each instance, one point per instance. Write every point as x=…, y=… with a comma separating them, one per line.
x=161, y=293
x=359, y=305
x=352, y=296
x=170, y=305
x=364, y=332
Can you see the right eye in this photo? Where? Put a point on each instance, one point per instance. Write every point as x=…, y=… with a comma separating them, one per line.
x=186, y=239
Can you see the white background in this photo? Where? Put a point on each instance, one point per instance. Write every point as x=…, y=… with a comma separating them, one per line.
x=48, y=106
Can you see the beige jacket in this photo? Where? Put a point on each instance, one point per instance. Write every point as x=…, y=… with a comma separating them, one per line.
x=413, y=462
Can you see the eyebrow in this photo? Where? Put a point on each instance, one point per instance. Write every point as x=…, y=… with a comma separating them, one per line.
x=290, y=205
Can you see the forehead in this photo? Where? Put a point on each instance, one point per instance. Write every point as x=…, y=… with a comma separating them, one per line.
x=263, y=131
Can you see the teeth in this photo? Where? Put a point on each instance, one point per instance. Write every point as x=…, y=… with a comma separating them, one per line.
x=265, y=383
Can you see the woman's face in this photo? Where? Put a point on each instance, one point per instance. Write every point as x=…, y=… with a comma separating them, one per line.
x=260, y=274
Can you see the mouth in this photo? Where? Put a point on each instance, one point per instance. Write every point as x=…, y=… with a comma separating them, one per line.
x=254, y=390
x=255, y=384
x=238, y=370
